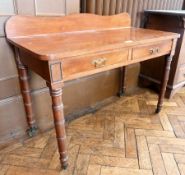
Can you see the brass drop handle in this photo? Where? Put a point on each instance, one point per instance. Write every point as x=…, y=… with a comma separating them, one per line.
x=100, y=62
x=154, y=51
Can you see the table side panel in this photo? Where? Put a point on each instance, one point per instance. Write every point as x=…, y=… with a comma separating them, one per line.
x=35, y=64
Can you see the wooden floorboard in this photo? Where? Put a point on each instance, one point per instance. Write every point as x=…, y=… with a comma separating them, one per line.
x=123, y=138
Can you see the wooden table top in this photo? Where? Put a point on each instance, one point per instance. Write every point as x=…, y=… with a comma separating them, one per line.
x=70, y=41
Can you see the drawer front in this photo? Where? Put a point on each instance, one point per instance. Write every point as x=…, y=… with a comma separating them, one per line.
x=181, y=74
x=101, y=61
x=153, y=50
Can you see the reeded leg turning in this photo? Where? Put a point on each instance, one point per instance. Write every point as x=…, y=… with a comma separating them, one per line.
x=164, y=82
x=25, y=91
x=122, y=82
x=59, y=122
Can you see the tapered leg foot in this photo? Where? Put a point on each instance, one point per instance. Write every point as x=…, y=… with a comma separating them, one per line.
x=164, y=82
x=59, y=122
x=122, y=87
x=158, y=110
x=121, y=93
x=32, y=131
x=26, y=95
x=65, y=166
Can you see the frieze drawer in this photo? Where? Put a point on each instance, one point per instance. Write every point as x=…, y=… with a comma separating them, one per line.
x=152, y=50
x=84, y=64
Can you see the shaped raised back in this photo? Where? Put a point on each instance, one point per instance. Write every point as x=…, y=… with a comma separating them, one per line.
x=22, y=26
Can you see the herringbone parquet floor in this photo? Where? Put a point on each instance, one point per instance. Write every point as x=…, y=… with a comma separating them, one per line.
x=124, y=138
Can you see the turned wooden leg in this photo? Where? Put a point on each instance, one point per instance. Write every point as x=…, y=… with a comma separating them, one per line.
x=122, y=81
x=164, y=82
x=59, y=122
x=25, y=91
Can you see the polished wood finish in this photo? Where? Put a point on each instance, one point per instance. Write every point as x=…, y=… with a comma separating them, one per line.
x=26, y=94
x=165, y=79
x=172, y=21
x=65, y=48
x=66, y=24
x=59, y=122
x=168, y=60
x=92, y=63
x=151, y=50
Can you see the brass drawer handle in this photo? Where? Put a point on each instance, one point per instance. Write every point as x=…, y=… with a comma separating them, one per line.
x=154, y=51
x=100, y=62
